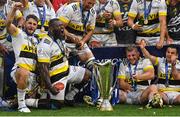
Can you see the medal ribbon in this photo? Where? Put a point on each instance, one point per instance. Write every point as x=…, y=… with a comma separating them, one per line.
x=2, y=17
x=42, y=17
x=61, y=47
x=166, y=72
x=103, y=8
x=147, y=11
x=131, y=75
x=83, y=19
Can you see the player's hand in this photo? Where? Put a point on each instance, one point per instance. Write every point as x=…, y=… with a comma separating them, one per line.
x=53, y=90
x=159, y=45
x=137, y=27
x=112, y=23
x=142, y=43
x=169, y=41
x=135, y=77
x=3, y=49
x=18, y=5
x=173, y=59
x=80, y=44
x=107, y=15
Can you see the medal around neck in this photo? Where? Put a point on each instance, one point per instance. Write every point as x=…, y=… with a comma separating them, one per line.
x=42, y=29
x=146, y=21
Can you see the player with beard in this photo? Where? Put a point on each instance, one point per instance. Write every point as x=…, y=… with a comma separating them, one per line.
x=24, y=45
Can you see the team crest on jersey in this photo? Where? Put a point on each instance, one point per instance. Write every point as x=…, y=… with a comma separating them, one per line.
x=47, y=41
x=40, y=51
x=65, y=10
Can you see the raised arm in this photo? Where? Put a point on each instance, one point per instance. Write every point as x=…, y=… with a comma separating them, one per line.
x=162, y=20
x=49, y=4
x=163, y=30
x=25, y=3
x=152, y=58
x=10, y=27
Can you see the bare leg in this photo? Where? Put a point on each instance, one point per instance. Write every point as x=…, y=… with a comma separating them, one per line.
x=21, y=80
x=148, y=93
x=177, y=100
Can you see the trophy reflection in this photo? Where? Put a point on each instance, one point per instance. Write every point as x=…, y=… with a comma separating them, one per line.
x=104, y=77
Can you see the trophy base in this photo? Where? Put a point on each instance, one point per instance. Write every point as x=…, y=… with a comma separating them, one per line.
x=106, y=105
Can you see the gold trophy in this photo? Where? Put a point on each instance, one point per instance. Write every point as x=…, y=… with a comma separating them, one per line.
x=103, y=74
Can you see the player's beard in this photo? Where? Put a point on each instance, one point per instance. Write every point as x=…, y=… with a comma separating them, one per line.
x=29, y=33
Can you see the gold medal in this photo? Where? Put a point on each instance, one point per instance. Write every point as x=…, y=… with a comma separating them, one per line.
x=42, y=29
x=145, y=21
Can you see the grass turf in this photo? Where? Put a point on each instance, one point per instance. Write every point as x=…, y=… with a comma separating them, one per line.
x=84, y=110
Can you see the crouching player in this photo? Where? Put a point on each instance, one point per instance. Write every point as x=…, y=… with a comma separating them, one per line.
x=54, y=67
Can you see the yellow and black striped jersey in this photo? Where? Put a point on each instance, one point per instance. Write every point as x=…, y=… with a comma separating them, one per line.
x=142, y=66
x=4, y=10
x=161, y=63
x=72, y=15
x=158, y=8
x=24, y=47
x=49, y=51
x=112, y=6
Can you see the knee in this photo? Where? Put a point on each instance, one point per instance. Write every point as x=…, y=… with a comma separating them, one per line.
x=86, y=56
x=89, y=63
x=177, y=100
x=153, y=88
x=21, y=77
x=164, y=98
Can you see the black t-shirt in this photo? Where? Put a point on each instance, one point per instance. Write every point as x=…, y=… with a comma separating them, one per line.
x=125, y=35
x=173, y=21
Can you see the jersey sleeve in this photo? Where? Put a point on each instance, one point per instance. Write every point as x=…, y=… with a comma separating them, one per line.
x=162, y=8
x=158, y=60
x=116, y=9
x=44, y=51
x=17, y=33
x=92, y=20
x=18, y=14
x=133, y=9
x=147, y=65
x=53, y=14
x=66, y=14
x=122, y=71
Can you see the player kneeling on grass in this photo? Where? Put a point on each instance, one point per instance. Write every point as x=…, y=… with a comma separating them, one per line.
x=133, y=80
x=54, y=67
x=24, y=44
x=168, y=73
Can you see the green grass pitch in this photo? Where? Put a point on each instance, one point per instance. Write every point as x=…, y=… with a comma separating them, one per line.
x=85, y=110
